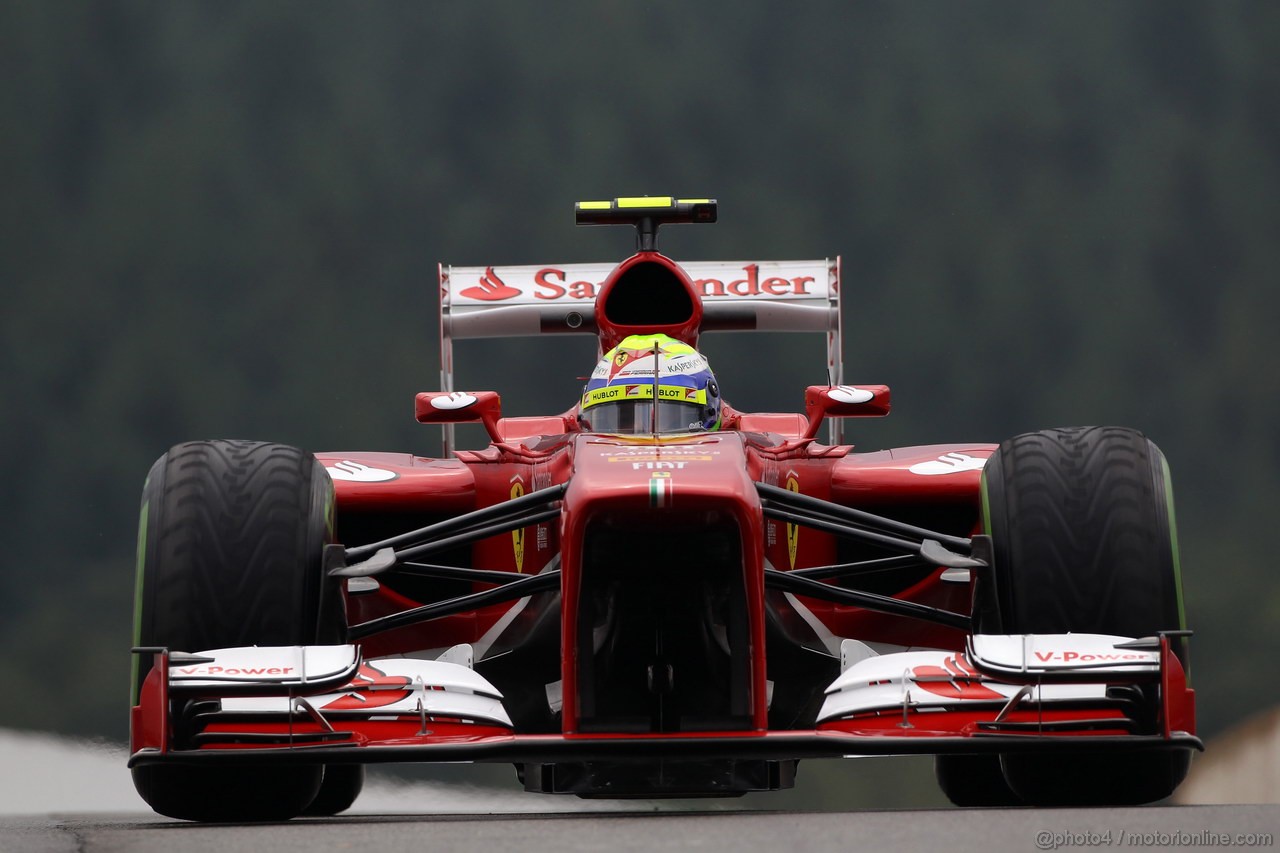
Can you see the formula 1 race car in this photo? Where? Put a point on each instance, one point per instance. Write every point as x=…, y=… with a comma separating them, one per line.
x=655, y=594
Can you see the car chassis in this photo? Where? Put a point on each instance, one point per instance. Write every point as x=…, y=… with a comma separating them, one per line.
x=649, y=619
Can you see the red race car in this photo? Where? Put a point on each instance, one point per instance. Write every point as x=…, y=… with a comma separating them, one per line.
x=653, y=593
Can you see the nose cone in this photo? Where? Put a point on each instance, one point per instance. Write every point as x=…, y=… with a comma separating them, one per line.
x=683, y=480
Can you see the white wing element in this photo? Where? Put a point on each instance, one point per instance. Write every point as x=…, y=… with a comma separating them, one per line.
x=932, y=680
x=283, y=667
x=529, y=301
x=520, y=301
x=391, y=687
x=1050, y=654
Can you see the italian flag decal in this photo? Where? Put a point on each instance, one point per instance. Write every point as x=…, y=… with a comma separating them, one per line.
x=660, y=489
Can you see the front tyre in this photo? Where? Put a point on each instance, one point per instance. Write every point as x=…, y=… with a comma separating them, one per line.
x=228, y=794
x=341, y=786
x=230, y=551
x=971, y=781
x=1082, y=526
x=1096, y=778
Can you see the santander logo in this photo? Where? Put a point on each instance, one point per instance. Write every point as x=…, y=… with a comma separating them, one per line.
x=490, y=289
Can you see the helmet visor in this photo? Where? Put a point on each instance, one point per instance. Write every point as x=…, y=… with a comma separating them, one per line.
x=635, y=417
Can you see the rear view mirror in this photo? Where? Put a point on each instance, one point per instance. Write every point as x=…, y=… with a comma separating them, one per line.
x=843, y=401
x=460, y=407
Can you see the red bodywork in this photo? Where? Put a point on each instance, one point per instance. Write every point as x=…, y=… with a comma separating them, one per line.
x=711, y=474
x=630, y=501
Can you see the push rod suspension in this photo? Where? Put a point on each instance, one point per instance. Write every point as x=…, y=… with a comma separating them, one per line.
x=784, y=497
x=449, y=526
x=462, y=604
x=787, y=582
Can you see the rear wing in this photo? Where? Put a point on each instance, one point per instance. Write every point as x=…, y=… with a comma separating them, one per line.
x=523, y=301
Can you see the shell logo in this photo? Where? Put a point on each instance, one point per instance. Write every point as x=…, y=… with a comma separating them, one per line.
x=793, y=530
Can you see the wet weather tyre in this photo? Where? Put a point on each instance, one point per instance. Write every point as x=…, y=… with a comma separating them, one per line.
x=973, y=780
x=341, y=786
x=228, y=794
x=1096, y=779
x=230, y=550
x=1081, y=522
x=1084, y=540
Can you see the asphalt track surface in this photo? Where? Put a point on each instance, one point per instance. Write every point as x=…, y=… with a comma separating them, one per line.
x=1151, y=828
x=69, y=795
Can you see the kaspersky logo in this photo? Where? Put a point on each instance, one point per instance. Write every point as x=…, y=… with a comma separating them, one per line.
x=490, y=289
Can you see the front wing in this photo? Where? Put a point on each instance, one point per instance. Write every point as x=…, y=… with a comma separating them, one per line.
x=323, y=704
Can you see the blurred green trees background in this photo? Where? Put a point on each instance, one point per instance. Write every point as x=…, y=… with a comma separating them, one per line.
x=222, y=220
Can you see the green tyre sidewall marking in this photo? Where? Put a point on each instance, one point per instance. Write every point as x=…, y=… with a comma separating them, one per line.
x=149, y=523
x=991, y=621
x=135, y=665
x=1167, y=484
x=1173, y=541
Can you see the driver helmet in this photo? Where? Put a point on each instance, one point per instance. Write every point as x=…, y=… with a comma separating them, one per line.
x=619, y=396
